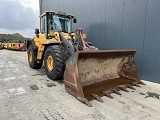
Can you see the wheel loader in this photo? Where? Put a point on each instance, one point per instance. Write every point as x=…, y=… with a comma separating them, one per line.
x=88, y=73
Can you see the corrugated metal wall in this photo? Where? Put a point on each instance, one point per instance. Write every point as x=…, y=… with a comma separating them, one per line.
x=119, y=24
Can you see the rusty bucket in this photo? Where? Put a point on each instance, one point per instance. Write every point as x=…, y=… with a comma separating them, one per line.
x=92, y=74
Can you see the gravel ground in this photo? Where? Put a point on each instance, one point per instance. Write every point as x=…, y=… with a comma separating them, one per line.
x=27, y=94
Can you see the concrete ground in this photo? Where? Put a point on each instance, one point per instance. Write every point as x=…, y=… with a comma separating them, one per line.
x=27, y=94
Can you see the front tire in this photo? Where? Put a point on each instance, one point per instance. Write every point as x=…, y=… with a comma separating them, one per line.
x=54, y=62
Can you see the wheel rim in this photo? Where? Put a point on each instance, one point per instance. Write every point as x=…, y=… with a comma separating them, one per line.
x=50, y=63
x=30, y=56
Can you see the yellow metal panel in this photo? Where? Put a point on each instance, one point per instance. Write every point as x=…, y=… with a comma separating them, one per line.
x=41, y=41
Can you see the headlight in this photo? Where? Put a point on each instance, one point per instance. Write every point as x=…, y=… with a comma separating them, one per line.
x=84, y=36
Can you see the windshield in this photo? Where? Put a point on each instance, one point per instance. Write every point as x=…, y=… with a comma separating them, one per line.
x=61, y=23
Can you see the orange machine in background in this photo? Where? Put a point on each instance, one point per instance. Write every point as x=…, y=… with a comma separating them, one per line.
x=13, y=46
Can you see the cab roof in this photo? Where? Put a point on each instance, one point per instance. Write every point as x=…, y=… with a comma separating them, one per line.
x=57, y=13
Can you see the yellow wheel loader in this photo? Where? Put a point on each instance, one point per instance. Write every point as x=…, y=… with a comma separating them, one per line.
x=88, y=73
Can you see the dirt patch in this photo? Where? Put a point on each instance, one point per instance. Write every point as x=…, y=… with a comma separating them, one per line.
x=142, y=93
x=34, y=75
x=51, y=84
x=154, y=95
x=41, y=72
x=122, y=102
x=34, y=87
x=40, y=79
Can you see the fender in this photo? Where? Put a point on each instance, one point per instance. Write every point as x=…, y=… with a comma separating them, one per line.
x=31, y=42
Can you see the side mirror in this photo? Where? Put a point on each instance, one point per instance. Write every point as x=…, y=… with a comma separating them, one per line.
x=74, y=20
x=36, y=31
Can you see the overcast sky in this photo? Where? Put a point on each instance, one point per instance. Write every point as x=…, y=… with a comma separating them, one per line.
x=19, y=16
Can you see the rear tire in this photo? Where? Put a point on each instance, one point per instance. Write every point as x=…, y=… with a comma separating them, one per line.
x=32, y=54
x=54, y=62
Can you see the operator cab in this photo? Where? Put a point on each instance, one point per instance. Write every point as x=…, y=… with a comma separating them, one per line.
x=51, y=21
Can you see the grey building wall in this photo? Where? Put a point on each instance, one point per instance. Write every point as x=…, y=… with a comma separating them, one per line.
x=119, y=24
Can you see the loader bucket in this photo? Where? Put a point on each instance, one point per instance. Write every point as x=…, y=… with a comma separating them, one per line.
x=92, y=74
